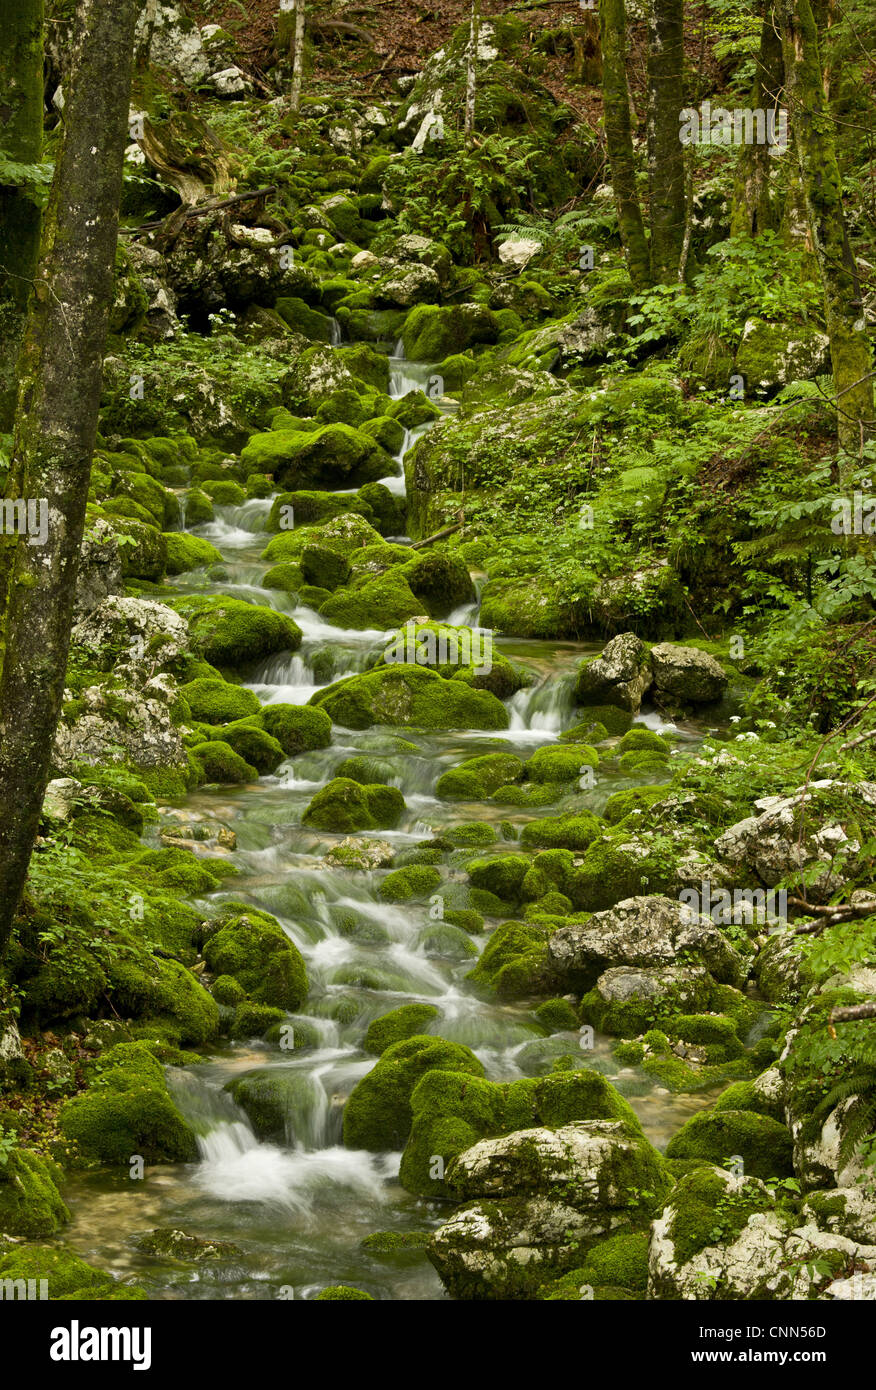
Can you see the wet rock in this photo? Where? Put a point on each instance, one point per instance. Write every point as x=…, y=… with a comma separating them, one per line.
x=772, y=355
x=686, y=675
x=100, y=569
x=174, y=1244
x=646, y=932
x=619, y=676
x=518, y=251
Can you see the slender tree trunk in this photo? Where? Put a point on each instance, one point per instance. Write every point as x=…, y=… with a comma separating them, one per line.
x=619, y=139
x=56, y=420
x=471, y=76
x=21, y=140
x=297, y=55
x=665, y=150
x=822, y=184
x=754, y=207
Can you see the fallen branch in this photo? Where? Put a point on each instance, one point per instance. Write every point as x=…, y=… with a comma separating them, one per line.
x=852, y=1012
x=438, y=536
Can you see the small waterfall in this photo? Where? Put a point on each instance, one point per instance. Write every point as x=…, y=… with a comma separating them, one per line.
x=335, y=332
x=544, y=709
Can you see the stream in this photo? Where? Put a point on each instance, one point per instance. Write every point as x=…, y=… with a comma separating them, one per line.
x=298, y=1210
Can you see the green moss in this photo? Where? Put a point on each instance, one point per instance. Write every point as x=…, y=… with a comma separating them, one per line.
x=622, y=804
x=231, y=633
x=382, y=602
x=126, y=1111
x=405, y=1022
x=331, y=455
x=577, y=830
x=410, y=696
x=253, y=1020
x=641, y=740
x=344, y=806
x=222, y=764
x=254, y=745
x=377, y=1115
x=413, y=881
x=64, y=1273
x=217, y=702
x=476, y=779
x=198, y=507
x=258, y=953
x=297, y=728
x=185, y=552
x=30, y=1203
x=708, y=1213
x=227, y=991
x=763, y=1144
x=514, y=962
x=341, y=1293
x=395, y=1242
x=163, y=991
x=431, y=333
x=501, y=874
x=557, y=1015
x=616, y=721
x=561, y=763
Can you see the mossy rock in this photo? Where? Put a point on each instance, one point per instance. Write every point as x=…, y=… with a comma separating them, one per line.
x=254, y=745
x=514, y=963
x=431, y=333
x=128, y=1110
x=377, y=1115
x=333, y=455
x=411, y=697
x=615, y=721
x=258, y=953
x=501, y=874
x=342, y=1293
x=412, y=881
x=222, y=764
x=253, y=1020
x=165, y=992
x=477, y=778
x=407, y=1021
x=764, y=1144
x=65, y=1274
x=343, y=806
x=297, y=728
x=382, y=602
x=576, y=831
x=563, y=763
x=214, y=701
x=185, y=552
x=557, y=1016
x=636, y=799
x=231, y=633
x=470, y=834
x=30, y=1203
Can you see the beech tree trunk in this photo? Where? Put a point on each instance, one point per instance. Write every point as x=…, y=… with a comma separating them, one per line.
x=619, y=140
x=666, y=183
x=812, y=136
x=21, y=141
x=56, y=420
x=297, y=55
x=471, y=76
x=755, y=208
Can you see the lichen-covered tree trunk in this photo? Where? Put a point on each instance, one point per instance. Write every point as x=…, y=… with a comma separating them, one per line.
x=56, y=420
x=619, y=139
x=754, y=204
x=812, y=137
x=21, y=138
x=471, y=76
x=666, y=201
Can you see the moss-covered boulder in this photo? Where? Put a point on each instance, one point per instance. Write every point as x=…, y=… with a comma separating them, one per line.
x=432, y=333
x=30, y=1203
x=407, y=1021
x=231, y=633
x=377, y=1115
x=514, y=963
x=329, y=456
x=763, y=1144
x=409, y=696
x=126, y=1111
x=297, y=728
x=214, y=701
x=344, y=806
x=185, y=552
x=476, y=779
x=221, y=763
x=254, y=949
x=412, y=881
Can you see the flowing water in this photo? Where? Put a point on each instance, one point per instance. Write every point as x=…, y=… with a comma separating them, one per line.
x=299, y=1207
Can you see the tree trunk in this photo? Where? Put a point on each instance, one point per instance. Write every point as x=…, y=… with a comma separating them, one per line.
x=56, y=420
x=754, y=207
x=21, y=142
x=665, y=150
x=813, y=137
x=297, y=55
x=618, y=137
x=471, y=77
